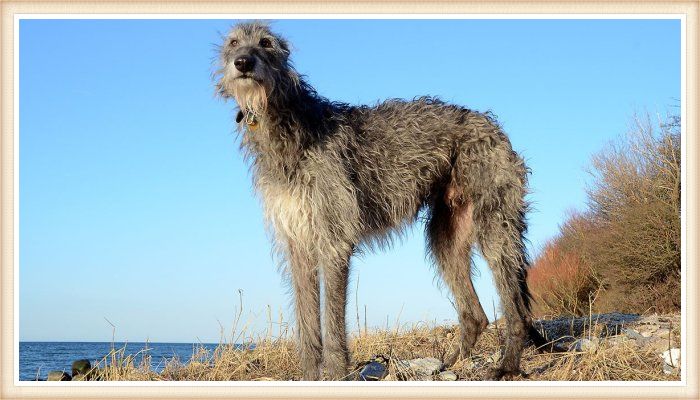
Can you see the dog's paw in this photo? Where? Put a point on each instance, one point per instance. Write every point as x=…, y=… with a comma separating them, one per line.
x=452, y=358
x=500, y=373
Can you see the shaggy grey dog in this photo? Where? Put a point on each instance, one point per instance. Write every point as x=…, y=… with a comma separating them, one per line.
x=334, y=177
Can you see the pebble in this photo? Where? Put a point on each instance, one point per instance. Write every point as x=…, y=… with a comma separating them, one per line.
x=447, y=376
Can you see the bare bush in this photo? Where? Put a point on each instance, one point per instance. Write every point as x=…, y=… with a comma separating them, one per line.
x=561, y=282
x=635, y=210
x=627, y=245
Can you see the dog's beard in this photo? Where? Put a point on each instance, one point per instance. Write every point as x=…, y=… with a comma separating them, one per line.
x=251, y=96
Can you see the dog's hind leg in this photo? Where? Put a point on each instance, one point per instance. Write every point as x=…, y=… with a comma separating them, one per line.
x=450, y=238
x=304, y=274
x=500, y=236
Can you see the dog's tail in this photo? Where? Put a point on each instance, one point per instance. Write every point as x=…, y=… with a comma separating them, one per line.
x=539, y=341
x=533, y=335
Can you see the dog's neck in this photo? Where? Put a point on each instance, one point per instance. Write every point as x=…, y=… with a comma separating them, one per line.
x=279, y=136
x=294, y=114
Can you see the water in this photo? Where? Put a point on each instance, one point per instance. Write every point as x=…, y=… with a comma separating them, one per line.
x=36, y=359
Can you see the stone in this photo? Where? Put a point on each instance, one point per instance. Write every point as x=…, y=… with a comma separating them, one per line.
x=585, y=345
x=373, y=371
x=58, y=376
x=612, y=323
x=672, y=357
x=447, y=376
x=81, y=367
x=419, y=367
x=633, y=334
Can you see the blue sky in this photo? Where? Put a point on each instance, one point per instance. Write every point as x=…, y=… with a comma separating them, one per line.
x=136, y=205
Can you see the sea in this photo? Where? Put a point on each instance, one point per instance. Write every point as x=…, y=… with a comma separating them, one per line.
x=36, y=359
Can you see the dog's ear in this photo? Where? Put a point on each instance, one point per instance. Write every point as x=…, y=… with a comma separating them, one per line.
x=284, y=45
x=239, y=117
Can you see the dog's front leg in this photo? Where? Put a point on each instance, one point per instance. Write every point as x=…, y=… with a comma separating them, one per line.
x=304, y=272
x=335, y=281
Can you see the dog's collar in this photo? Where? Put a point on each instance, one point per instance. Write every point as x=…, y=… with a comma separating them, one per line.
x=250, y=118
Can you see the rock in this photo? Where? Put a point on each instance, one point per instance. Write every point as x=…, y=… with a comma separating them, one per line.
x=447, y=376
x=586, y=345
x=58, y=376
x=612, y=323
x=374, y=371
x=672, y=357
x=420, y=368
x=659, y=322
x=633, y=334
x=81, y=367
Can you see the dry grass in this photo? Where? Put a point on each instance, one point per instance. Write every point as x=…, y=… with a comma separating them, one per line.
x=275, y=358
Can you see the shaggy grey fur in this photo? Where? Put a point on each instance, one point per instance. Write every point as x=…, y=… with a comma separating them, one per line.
x=334, y=177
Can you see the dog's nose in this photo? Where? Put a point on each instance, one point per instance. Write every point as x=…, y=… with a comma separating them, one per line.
x=244, y=63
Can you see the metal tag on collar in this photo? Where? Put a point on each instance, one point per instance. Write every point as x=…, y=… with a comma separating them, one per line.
x=250, y=119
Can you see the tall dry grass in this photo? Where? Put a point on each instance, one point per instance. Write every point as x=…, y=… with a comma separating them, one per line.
x=274, y=358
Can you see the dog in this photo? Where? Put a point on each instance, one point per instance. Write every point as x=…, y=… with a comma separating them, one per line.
x=335, y=178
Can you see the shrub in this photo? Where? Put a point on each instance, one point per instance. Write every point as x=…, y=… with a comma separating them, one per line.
x=561, y=282
x=627, y=245
x=635, y=206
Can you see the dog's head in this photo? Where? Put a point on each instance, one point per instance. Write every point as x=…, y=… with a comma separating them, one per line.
x=254, y=65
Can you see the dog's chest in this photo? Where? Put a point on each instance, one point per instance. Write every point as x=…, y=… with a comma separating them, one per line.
x=289, y=210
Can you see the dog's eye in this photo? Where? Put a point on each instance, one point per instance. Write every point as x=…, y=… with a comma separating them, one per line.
x=265, y=43
x=233, y=42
